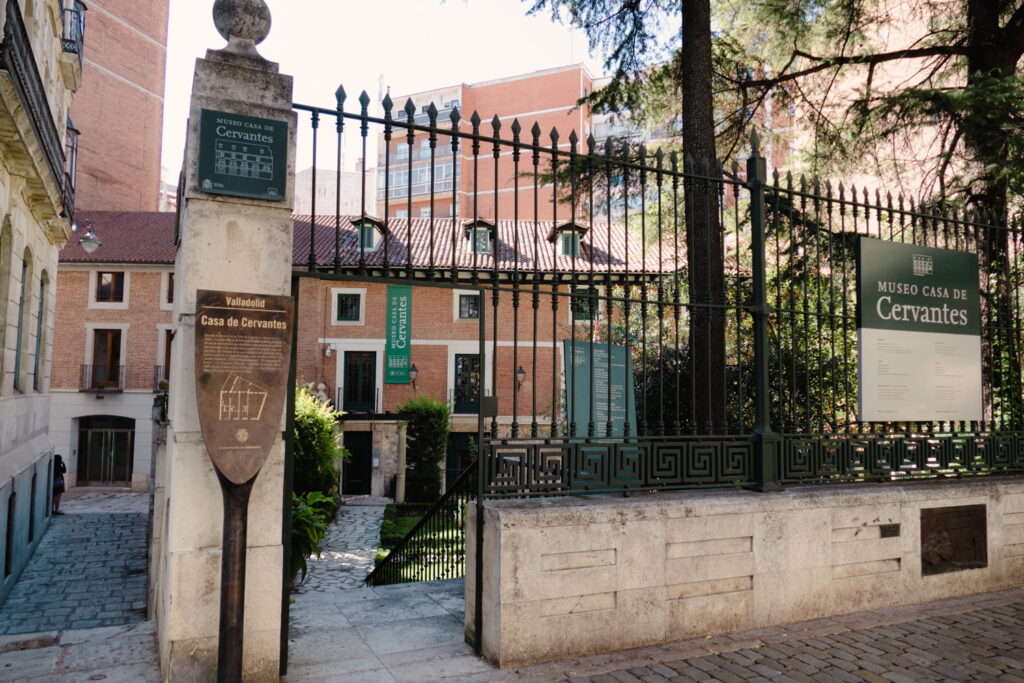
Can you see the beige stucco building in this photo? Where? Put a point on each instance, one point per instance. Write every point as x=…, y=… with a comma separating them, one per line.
x=40, y=68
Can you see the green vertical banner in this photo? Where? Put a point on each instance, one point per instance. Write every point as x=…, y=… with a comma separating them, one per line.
x=396, y=355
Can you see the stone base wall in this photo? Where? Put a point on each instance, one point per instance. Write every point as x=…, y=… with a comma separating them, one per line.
x=572, y=576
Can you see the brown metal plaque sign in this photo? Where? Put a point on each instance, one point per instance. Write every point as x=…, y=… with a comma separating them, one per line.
x=243, y=344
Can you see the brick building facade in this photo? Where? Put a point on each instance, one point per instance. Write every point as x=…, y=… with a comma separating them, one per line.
x=114, y=327
x=119, y=110
x=547, y=98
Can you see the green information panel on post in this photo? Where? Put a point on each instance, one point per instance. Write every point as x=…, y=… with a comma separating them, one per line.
x=242, y=156
x=399, y=329
x=612, y=387
x=919, y=333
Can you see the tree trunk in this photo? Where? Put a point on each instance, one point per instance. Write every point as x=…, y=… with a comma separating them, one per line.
x=703, y=233
x=988, y=57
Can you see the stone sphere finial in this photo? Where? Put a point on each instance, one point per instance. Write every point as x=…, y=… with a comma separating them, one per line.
x=243, y=23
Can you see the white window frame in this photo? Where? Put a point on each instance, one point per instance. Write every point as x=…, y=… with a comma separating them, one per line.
x=338, y=348
x=109, y=305
x=374, y=242
x=165, y=280
x=90, y=342
x=335, y=291
x=473, y=236
x=456, y=293
x=601, y=291
x=472, y=348
x=161, y=342
x=561, y=243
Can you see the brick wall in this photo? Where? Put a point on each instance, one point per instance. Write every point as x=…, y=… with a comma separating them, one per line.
x=71, y=334
x=119, y=109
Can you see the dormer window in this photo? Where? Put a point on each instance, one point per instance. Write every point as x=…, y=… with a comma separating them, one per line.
x=480, y=233
x=368, y=229
x=570, y=244
x=568, y=237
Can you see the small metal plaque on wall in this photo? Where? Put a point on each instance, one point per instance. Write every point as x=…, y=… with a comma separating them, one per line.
x=242, y=156
x=953, y=539
x=243, y=345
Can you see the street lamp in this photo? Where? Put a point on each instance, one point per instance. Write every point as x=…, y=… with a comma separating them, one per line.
x=520, y=376
x=90, y=241
x=413, y=374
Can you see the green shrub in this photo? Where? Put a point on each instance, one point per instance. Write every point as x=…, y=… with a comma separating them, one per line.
x=427, y=434
x=316, y=446
x=310, y=515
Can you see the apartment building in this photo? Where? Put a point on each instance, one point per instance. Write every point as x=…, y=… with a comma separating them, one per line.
x=40, y=68
x=461, y=187
x=113, y=334
x=119, y=109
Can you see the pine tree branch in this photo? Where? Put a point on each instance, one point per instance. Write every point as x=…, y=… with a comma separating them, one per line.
x=830, y=62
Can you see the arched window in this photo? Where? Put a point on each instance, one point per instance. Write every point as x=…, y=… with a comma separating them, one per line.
x=40, y=353
x=5, y=284
x=20, y=345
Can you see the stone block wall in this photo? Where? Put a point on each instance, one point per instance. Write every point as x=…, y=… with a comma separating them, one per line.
x=573, y=576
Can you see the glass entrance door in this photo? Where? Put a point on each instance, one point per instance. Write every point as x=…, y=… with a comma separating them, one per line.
x=105, y=446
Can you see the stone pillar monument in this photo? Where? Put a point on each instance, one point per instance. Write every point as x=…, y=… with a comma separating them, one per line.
x=231, y=239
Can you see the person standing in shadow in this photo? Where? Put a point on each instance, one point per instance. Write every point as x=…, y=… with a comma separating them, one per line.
x=59, y=469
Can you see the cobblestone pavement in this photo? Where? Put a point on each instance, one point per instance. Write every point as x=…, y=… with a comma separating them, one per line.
x=88, y=571
x=976, y=638
x=349, y=548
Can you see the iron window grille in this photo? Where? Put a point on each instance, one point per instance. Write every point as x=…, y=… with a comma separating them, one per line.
x=467, y=383
x=348, y=308
x=586, y=304
x=469, y=306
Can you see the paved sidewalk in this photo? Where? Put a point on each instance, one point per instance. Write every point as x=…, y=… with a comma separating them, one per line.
x=349, y=548
x=976, y=638
x=88, y=571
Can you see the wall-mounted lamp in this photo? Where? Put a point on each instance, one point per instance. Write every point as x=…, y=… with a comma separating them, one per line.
x=327, y=351
x=413, y=374
x=90, y=241
x=520, y=376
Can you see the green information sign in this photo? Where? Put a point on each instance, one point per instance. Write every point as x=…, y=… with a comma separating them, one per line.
x=396, y=356
x=919, y=332
x=582, y=399
x=242, y=156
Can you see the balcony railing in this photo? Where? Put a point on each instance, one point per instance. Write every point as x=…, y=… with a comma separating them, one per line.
x=17, y=59
x=400, y=154
x=101, y=378
x=73, y=38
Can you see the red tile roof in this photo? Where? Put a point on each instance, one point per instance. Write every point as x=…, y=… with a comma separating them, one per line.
x=148, y=237
x=128, y=237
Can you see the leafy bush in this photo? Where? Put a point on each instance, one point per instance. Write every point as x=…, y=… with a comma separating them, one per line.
x=429, y=424
x=316, y=446
x=310, y=515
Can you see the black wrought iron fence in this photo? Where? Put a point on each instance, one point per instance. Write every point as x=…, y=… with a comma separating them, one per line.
x=648, y=323
x=435, y=548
